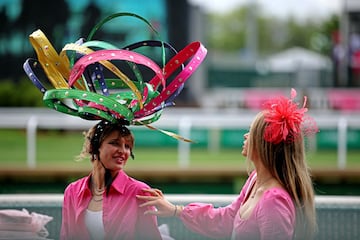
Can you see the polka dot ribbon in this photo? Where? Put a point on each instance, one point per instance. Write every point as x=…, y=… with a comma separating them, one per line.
x=96, y=80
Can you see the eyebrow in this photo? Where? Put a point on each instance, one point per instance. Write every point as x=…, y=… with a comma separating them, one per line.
x=120, y=137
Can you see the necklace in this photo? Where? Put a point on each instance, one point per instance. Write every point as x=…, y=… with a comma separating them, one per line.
x=96, y=200
x=257, y=186
x=97, y=193
x=97, y=190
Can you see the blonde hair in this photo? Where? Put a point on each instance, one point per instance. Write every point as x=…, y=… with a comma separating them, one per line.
x=286, y=162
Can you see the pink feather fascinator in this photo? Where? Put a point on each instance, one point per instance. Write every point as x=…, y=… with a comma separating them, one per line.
x=286, y=121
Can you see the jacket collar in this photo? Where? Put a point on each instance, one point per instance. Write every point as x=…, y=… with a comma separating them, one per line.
x=85, y=186
x=119, y=182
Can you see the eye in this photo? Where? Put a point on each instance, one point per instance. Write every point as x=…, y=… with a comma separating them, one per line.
x=115, y=143
x=127, y=146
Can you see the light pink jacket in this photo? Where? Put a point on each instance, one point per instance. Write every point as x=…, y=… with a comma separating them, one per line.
x=122, y=216
x=273, y=218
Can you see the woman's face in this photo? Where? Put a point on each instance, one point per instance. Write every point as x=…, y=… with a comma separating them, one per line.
x=245, y=147
x=114, y=152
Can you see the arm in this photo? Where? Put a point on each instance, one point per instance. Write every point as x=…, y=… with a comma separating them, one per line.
x=209, y=221
x=198, y=217
x=214, y=222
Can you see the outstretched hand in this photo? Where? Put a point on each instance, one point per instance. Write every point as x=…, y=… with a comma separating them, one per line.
x=163, y=208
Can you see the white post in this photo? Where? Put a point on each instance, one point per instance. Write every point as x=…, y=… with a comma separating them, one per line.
x=31, y=142
x=342, y=143
x=214, y=141
x=184, y=147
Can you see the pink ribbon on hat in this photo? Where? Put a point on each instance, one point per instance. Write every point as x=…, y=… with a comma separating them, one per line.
x=196, y=52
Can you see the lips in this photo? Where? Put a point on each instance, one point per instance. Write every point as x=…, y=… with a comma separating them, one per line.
x=119, y=160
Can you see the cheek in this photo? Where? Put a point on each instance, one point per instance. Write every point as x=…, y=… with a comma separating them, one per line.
x=104, y=151
x=128, y=153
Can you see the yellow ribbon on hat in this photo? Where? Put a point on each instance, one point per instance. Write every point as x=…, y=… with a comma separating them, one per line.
x=57, y=68
x=171, y=134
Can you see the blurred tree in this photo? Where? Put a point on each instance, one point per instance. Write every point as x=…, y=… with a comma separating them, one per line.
x=328, y=29
x=228, y=32
x=300, y=33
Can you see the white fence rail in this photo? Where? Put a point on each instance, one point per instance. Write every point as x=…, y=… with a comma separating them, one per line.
x=182, y=119
x=338, y=217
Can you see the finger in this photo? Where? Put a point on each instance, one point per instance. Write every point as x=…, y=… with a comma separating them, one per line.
x=145, y=204
x=151, y=192
x=148, y=203
x=151, y=212
x=146, y=198
x=159, y=192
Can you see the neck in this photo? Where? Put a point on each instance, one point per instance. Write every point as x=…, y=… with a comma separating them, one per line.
x=263, y=176
x=97, y=182
x=262, y=173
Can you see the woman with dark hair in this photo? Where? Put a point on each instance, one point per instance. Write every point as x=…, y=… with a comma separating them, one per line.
x=277, y=200
x=103, y=205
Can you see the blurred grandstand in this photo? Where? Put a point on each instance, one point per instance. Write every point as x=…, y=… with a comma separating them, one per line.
x=331, y=82
x=229, y=82
x=225, y=80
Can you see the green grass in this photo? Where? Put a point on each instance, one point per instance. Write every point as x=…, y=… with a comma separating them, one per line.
x=56, y=149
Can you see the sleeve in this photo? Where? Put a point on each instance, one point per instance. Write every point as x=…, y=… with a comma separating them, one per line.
x=210, y=221
x=276, y=216
x=146, y=225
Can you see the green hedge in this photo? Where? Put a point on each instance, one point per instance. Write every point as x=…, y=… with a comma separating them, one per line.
x=19, y=94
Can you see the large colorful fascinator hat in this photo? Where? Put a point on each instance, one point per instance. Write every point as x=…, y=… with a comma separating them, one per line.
x=286, y=120
x=96, y=80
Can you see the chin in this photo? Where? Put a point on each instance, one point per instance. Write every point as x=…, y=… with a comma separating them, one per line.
x=118, y=167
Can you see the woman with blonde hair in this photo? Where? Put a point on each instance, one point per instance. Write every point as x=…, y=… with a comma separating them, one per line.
x=277, y=200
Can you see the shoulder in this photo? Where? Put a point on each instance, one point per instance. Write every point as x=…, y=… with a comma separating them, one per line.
x=77, y=185
x=135, y=187
x=125, y=183
x=278, y=201
x=276, y=214
x=277, y=195
x=137, y=184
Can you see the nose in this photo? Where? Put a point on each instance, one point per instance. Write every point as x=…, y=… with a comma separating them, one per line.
x=246, y=136
x=121, y=148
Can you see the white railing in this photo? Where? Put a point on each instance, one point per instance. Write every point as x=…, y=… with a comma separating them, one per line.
x=337, y=216
x=55, y=199
x=182, y=119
